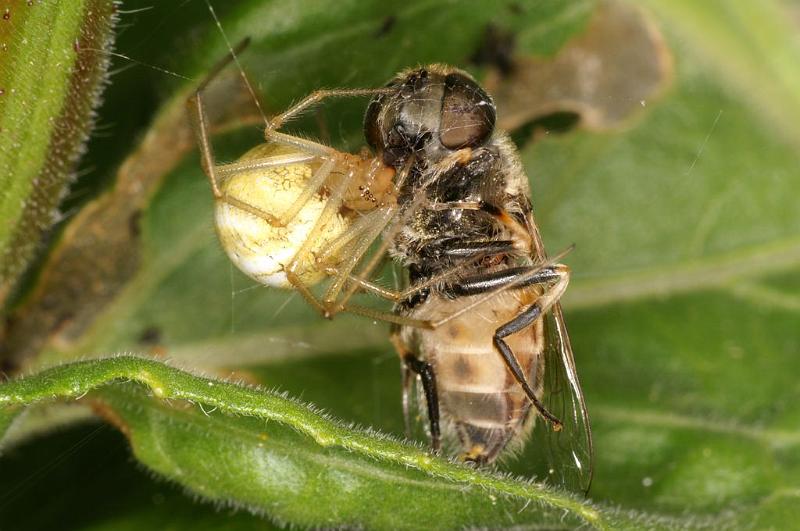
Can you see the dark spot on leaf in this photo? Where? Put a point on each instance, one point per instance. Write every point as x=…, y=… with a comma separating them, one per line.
x=109, y=414
x=150, y=336
x=515, y=8
x=386, y=26
x=496, y=49
x=134, y=223
x=557, y=123
x=7, y=367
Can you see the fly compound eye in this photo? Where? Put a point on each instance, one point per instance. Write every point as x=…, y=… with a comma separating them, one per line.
x=468, y=114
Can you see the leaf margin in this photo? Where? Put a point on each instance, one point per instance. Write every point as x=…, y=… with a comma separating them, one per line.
x=77, y=379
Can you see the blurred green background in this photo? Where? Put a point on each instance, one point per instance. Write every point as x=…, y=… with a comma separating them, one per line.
x=685, y=298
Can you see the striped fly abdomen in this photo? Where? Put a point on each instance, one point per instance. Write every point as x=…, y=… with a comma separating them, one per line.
x=481, y=403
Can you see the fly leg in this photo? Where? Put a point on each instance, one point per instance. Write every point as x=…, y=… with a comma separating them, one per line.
x=428, y=379
x=490, y=285
x=511, y=278
x=468, y=250
x=525, y=319
x=520, y=322
x=411, y=364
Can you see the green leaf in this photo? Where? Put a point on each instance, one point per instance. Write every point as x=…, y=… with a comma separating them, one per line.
x=51, y=76
x=360, y=478
x=684, y=300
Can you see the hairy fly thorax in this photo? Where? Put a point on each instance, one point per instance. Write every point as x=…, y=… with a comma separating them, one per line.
x=461, y=207
x=440, y=114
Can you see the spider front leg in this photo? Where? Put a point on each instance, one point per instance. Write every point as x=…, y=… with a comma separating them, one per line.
x=308, y=153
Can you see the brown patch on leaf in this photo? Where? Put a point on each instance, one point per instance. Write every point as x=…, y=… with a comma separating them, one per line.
x=386, y=26
x=605, y=75
x=240, y=376
x=107, y=413
x=150, y=336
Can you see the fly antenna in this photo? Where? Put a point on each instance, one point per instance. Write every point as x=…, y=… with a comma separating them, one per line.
x=234, y=54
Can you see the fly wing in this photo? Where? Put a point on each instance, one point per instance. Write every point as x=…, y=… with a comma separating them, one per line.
x=569, y=451
x=415, y=411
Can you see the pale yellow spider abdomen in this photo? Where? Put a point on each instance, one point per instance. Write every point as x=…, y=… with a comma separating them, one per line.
x=263, y=250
